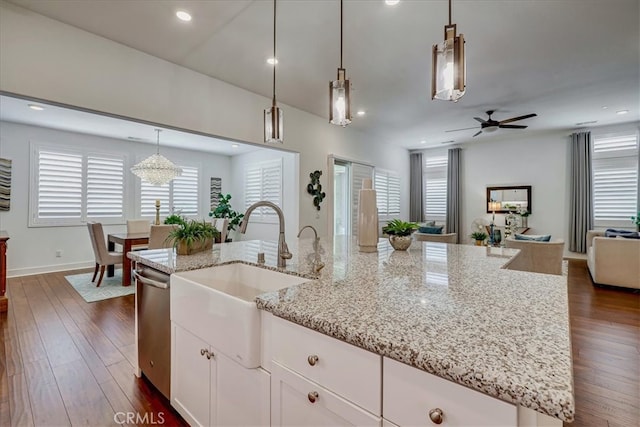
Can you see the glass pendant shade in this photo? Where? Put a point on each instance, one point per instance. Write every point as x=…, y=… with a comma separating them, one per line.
x=340, y=100
x=273, y=125
x=156, y=170
x=448, y=81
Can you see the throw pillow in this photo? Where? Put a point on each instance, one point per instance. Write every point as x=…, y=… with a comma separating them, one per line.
x=431, y=229
x=613, y=232
x=534, y=237
x=632, y=235
x=430, y=224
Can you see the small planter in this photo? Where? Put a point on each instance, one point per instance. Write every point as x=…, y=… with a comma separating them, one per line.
x=199, y=246
x=479, y=242
x=400, y=243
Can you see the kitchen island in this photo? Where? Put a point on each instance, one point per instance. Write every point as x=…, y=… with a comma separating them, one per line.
x=449, y=310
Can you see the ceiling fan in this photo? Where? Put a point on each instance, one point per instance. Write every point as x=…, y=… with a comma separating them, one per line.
x=490, y=124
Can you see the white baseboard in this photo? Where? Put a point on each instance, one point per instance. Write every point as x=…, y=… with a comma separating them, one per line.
x=19, y=272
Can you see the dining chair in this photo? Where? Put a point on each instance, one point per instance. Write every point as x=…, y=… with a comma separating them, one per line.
x=222, y=225
x=138, y=226
x=159, y=236
x=102, y=255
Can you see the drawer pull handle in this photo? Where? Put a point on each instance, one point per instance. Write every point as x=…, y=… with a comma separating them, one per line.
x=436, y=416
x=313, y=396
x=312, y=360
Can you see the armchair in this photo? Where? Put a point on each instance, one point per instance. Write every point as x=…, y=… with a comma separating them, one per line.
x=613, y=261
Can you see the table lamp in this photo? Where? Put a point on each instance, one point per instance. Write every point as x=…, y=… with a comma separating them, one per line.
x=493, y=207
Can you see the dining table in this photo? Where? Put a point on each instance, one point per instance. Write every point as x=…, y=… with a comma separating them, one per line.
x=126, y=240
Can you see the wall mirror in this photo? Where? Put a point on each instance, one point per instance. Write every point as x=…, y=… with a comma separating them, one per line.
x=509, y=198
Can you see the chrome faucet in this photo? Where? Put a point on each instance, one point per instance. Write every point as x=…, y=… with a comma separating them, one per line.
x=283, y=249
x=316, y=263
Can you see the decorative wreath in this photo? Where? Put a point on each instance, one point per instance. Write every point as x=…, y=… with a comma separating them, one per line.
x=315, y=188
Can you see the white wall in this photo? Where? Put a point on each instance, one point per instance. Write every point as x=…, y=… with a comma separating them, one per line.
x=290, y=203
x=33, y=249
x=46, y=59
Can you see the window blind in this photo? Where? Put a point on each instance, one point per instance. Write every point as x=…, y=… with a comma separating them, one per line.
x=105, y=181
x=59, y=187
x=435, y=188
x=180, y=195
x=615, y=179
x=149, y=194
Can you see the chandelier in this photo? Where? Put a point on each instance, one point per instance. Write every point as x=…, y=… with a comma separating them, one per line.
x=156, y=169
x=339, y=90
x=449, y=70
x=273, y=118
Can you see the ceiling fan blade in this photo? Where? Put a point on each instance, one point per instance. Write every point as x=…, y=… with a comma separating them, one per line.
x=512, y=126
x=477, y=133
x=515, y=119
x=456, y=130
x=479, y=119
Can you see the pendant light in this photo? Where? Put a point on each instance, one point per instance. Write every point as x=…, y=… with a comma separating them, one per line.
x=339, y=92
x=448, y=80
x=273, y=119
x=156, y=169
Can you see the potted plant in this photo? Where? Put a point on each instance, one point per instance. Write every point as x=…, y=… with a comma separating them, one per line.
x=479, y=237
x=400, y=233
x=636, y=221
x=224, y=210
x=193, y=236
x=524, y=215
x=175, y=219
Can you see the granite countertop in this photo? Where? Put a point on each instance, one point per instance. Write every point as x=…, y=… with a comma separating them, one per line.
x=450, y=310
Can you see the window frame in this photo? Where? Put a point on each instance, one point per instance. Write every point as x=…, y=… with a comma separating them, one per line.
x=442, y=175
x=35, y=147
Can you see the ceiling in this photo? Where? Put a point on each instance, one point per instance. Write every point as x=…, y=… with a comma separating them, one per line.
x=569, y=61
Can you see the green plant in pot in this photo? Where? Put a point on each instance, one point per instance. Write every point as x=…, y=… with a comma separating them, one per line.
x=224, y=210
x=175, y=219
x=636, y=221
x=479, y=237
x=399, y=233
x=193, y=236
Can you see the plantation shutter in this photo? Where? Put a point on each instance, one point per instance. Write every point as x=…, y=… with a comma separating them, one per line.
x=185, y=192
x=105, y=181
x=59, y=187
x=149, y=194
x=359, y=172
x=387, y=186
x=615, y=179
x=435, y=188
x=263, y=181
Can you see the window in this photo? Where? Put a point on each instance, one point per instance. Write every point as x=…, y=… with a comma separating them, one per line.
x=615, y=179
x=435, y=188
x=179, y=196
x=387, y=186
x=263, y=181
x=70, y=187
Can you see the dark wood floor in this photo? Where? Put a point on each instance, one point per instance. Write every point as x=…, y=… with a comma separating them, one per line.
x=64, y=361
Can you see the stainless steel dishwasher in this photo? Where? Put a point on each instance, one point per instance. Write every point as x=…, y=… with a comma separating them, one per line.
x=154, y=327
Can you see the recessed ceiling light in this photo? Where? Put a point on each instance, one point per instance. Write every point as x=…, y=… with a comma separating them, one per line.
x=391, y=2
x=604, y=107
x=586, y=123
x=272, y=61
x=183, y=16
x=234, y=146
x=423, y=142
x=621, y=112
x=36, y=107
x=361, y=112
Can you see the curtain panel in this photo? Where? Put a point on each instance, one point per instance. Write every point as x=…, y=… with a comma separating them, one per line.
x=453, y=192
x=416, y=191
x=580, y=192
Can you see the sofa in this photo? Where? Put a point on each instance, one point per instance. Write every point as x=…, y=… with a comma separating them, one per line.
x=536, y=256
x=613, y=261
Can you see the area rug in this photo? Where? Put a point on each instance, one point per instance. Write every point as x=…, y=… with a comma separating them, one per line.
x=111, y=287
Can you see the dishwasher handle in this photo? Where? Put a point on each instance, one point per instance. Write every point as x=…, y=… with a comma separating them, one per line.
x=146, y=281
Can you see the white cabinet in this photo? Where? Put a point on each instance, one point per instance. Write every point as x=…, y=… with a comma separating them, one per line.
x=297, y=401
x=318, y=380
x=209, y=389
x=414, y=397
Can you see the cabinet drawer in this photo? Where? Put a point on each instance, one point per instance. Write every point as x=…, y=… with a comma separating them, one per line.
x=410, y=394
x=296, y=401
x=347, y=370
